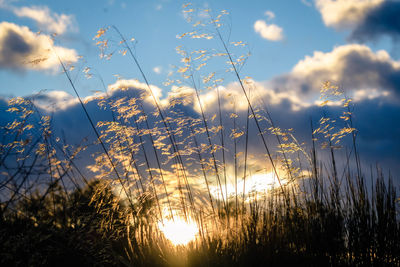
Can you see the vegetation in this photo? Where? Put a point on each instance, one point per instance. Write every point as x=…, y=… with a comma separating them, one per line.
x=154, y=164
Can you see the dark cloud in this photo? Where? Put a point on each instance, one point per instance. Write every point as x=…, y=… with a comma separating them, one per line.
x=371, y=78
x=366, y=20
x=13, y=48
x=14, y=43
x=383, y=20
x=377, y=132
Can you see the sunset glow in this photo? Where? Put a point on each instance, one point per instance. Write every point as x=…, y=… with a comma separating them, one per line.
x=178, y=231
x=212, y=133
x=256, y=183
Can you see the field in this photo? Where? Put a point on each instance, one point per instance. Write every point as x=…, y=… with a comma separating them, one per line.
x=221, y=185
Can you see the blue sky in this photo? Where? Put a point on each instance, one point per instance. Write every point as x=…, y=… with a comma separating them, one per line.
x=295, y=46
x=155, y=24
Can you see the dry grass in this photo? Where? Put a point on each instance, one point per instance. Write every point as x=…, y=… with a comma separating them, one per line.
x=156, y=163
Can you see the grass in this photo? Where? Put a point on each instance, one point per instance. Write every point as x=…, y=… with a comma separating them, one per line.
x=154, y=164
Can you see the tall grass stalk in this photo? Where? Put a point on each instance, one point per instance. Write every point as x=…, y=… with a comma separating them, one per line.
x=95, y=130
x=161, y=114
x=209, y=142
x=250, y=105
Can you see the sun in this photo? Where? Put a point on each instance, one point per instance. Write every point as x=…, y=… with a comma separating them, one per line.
x=179, y=231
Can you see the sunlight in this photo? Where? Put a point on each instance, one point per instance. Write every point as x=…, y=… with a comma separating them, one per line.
x=256, y=183
x=260, y=182
x=179, y=231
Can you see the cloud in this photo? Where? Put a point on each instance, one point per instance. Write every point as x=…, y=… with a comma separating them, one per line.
x=367, y=19
x=141, y=89
x=353, y=67
x=377, y=135
x=291, y=99
x=382, y=20
x=269, y=32
x=21, y=49
x=157, y=69
x=54, y=100
x=345, y=13
x=45, y=19
x=270, y=15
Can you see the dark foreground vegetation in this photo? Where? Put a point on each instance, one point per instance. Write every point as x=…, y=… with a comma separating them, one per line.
x=324, y=228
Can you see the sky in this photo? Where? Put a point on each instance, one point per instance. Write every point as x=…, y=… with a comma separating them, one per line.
x=155, y=24
x=295, y=46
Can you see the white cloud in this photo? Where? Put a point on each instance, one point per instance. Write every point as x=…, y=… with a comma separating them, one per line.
x=53, y=101
x=347, y=62
x=270, y=32
x=345, y=13
x=20, y=48
x=261, y=93
x=60, y=100
x=369, y=94
x=122, y=85
x=157, y=69
x=353, y=67
x=367, y=20
x=269, y=14
x=47, y=21
x=363, y=73
x=371, y=76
